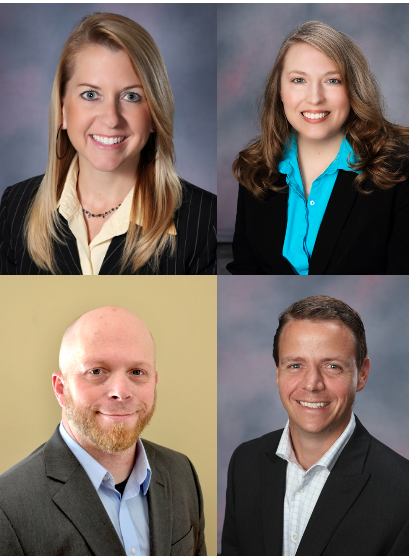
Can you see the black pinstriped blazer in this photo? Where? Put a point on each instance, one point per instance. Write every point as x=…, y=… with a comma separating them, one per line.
x=195, y=223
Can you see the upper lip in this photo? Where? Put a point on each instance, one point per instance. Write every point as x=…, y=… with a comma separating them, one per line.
x=109, y=136
x=314, y=401
x=315, y=111
x=116, y=414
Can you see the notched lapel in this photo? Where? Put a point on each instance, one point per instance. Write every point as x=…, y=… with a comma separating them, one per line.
x=81, y=504
x=273, y=479
x=338, y=209
x=160, y=509
x=68, y=259
x=111, y=262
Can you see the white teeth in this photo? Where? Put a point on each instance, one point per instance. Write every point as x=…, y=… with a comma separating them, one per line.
x=108, y=140
x=314, y=116
x=314, y=405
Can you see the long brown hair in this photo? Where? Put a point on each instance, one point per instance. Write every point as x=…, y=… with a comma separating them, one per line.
x=381, y=148
x=158, y=193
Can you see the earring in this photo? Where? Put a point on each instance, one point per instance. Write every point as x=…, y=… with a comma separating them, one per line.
x=56, y=145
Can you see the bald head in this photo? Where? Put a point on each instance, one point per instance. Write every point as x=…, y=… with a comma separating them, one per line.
x=110, y=327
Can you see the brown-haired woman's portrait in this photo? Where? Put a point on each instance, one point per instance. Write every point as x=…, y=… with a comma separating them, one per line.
x=111, y=120
x=319, y=184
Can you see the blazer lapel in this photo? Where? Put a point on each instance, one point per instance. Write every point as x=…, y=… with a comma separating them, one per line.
x=111, y=263
x=78, y=499
x=275, y=225
x=342, y=488
x=160, y=508
x=273, y=480
x=339, y=206
x=68, y=259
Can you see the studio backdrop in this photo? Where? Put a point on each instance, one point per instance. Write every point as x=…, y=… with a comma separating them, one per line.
x=181, y=315
x=31, y=40
x=249, y=37
x=248, y=401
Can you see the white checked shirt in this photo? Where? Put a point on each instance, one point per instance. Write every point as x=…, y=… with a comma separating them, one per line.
x=304, y=487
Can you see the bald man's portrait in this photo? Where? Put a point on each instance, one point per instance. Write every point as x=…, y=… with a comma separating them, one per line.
x=95, y=487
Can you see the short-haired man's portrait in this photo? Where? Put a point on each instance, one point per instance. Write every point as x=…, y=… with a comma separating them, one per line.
x=324, y=483
x=125, y=461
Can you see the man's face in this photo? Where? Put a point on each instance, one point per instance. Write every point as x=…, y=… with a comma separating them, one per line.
x=318, y=366
x=110, y=383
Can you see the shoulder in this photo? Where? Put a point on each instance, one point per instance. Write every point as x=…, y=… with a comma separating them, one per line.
x=23, y=473
x=253, y=449
x=17, y=198
x=384, y=460
x=193, y=195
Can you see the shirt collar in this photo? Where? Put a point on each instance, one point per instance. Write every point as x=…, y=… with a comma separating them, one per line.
x=289, y=163
x=285, y=448
x=139, y=478
x=69, y=207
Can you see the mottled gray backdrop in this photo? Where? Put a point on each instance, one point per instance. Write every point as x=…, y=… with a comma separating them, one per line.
x=248, y=401
x=31, y=39
x=249, y=36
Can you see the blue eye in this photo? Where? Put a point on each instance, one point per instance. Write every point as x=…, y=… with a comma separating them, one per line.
x=88, y=95
x=334, y=80
x=135, y=96
x=298, y=80
x=137, y=372
x=96, y=372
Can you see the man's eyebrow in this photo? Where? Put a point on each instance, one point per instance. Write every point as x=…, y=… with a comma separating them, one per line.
x=325, y=360
x=291, y=358
x=99, y=88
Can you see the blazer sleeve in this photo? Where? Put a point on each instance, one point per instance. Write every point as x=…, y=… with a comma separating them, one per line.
x=8, y=264
x=398, y=246
x=201, y=546
x=229, y=534
x=9, y=545
x=245, y=262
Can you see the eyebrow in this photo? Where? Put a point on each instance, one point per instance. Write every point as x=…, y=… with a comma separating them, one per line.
x=99, y=88
x=331, y=72
x=325, y=360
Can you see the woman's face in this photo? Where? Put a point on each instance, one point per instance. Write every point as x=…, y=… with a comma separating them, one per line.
x=314, y=97
x=105, y=101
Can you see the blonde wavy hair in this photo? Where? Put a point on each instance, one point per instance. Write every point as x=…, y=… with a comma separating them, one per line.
x=158, y=193
x=381, y=148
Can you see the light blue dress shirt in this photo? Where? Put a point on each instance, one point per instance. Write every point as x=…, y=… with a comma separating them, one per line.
x=304, y=216
x=128, y=514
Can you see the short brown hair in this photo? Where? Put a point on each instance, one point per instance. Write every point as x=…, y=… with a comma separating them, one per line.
x=320, y=308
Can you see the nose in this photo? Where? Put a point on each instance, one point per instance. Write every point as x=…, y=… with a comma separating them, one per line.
x=313, y=380
x=110, y=114
x=119, y=388
x=316, y=93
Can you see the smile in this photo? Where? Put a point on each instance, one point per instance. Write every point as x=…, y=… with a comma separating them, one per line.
x=315, y=116
x=108, y=140
x=313, y=405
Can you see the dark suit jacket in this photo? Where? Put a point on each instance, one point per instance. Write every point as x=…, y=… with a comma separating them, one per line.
x=363, y=509
x=49, y=507
x=195, y=223
x=359, y=234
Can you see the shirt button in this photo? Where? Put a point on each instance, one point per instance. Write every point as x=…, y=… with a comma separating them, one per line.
x=301, y=491
x=133, y=550
x=122, y=505
x=295, y=537
x=105, y=478
x=312, y=202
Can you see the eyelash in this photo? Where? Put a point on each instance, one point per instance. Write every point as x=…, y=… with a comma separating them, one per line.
x=293, y=366
x=92, y=99
x=331, y=79
x=99, y=374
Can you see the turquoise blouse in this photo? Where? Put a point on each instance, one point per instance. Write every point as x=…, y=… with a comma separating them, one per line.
x=304, y=216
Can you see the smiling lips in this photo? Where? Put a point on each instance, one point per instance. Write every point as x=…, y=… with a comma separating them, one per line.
x=315, y=116
x=312, y=405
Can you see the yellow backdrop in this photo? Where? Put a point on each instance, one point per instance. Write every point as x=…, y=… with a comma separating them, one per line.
x=180, y=312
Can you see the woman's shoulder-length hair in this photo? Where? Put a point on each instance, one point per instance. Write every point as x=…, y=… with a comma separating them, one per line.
x=380, y=147
x=159, y=191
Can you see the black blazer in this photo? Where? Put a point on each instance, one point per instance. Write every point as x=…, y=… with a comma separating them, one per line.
x=363, y=509
x=195, y=223
x=49, y=507
x=359, y=234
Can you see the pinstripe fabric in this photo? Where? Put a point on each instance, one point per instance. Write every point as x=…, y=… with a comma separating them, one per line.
x=303, y=488
x=195, y=223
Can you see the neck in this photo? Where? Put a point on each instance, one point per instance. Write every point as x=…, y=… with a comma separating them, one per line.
x=314, y=150
x=310, y=447
x=119, y=464
x=99, y=191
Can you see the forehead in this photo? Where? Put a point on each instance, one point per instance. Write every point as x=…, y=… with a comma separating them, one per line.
x=311, y=336
x=307, y=58
x=95, y=62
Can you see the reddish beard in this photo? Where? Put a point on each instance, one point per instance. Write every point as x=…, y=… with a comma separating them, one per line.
x=115, y=438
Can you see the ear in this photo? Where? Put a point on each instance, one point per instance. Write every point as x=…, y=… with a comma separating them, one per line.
x=58, y=386
x=63, y=118
x=156, y=377
x=363, y=374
